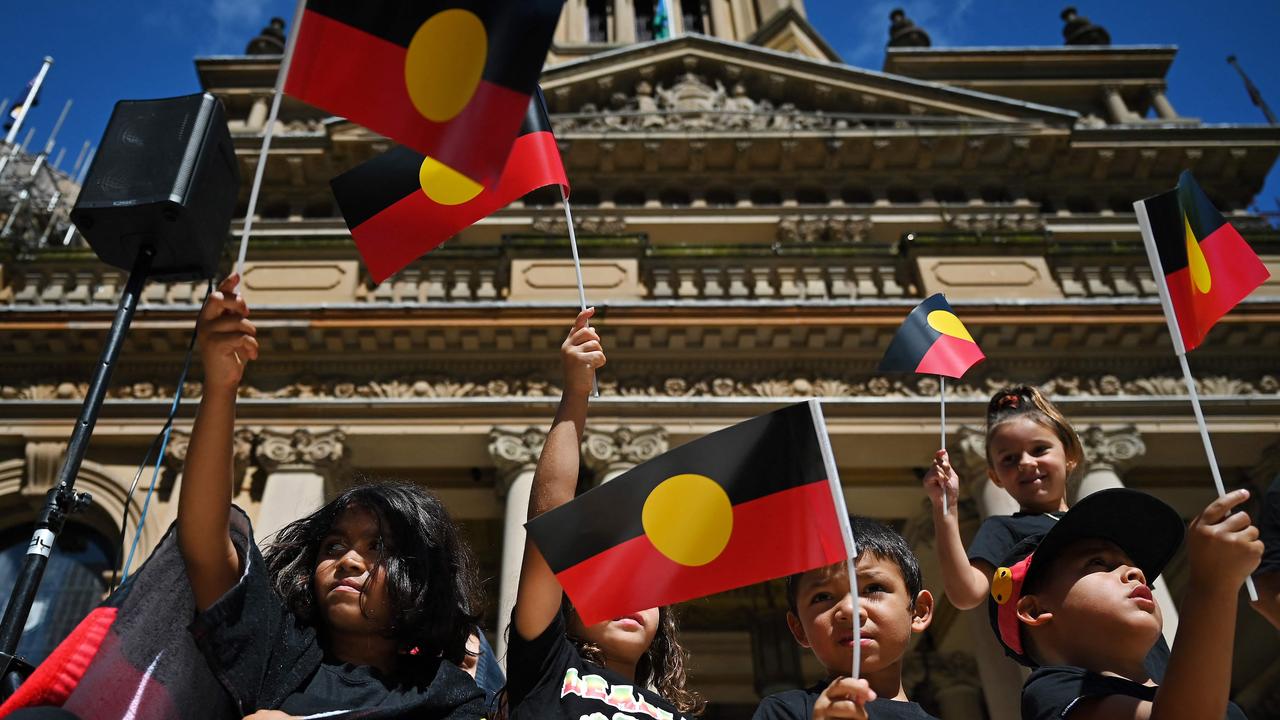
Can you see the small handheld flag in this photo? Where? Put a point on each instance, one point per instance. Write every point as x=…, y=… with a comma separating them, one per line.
x=398, y=206
x=742, y=505
x=450, y=79
x=1199, y=257
x=1203, y=268
x=933, y=341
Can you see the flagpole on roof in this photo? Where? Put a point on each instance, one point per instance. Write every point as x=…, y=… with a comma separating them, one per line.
x=1180, y=349
x=26, y=104
x=842, y=517
x=281, y=76
x=577, y=267
x=942, y=405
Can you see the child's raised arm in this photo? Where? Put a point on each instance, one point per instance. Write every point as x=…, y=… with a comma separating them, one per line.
x=539, y=594
x=227, y=343
x=966, y=583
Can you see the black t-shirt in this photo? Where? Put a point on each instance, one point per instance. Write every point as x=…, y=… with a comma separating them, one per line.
x=998, y=535
x=1053, y=691
x=336, y=686
x=548, y=680
x=1269, y=530
x=798, y=705
x=266, y=659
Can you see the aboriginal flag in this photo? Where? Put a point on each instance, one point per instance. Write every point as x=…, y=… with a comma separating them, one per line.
x=932, y=341
x=1208, y=268
x=742, y=505
x=449, y=78
x=401, y=204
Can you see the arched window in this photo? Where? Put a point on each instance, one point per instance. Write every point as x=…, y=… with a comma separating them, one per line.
x=73, y=584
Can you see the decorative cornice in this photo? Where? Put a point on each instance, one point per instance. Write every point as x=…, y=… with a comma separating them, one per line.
x=1115, y=449
x=606, y=452
x=514, y=450
x=321, y=452
x=745, y=385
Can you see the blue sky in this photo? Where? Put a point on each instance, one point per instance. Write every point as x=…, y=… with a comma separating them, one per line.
x=105, y=51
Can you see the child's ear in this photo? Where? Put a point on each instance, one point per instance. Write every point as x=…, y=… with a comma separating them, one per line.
x=797, y=630
x=922, y=613
x=991, y=475
x=1031, y=613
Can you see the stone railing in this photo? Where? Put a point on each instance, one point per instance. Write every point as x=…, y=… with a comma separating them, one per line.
x=84, y=282
x=774, y=279
x=452, y=281
x=1081, y=277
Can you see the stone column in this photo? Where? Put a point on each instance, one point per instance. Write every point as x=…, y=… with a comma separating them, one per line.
x=301, y=467
x=1163, y=107
x=721, y=19
x=608, y=454
x=624, y=21
x=1107, y=453
x=1001, y=677
x=175, y=460
x=257, y=119
x=1116, y=107
x=515, y=453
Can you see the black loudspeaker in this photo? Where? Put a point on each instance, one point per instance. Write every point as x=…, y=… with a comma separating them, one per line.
x=165, y=175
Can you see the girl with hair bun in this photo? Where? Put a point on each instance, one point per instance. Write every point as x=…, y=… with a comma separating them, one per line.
x=1032, y=451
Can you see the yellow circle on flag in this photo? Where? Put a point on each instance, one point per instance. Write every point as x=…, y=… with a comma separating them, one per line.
x=444, y=62
x=445, y=185
x=688, y=518
x=948, y=324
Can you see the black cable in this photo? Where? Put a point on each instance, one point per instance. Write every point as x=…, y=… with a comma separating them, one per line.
x=159, y=440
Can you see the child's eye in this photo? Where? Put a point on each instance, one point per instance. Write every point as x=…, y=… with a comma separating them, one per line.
x=1098, y=561
x=874, y=589
x=820, y=598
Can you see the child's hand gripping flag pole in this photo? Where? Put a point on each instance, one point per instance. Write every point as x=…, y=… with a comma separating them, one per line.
x=933, y=341
x=1203, y=268
x=749, y=503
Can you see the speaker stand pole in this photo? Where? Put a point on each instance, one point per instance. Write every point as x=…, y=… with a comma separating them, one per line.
x=63, y=500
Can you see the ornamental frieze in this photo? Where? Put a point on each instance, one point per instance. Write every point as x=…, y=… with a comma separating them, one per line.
x=709, y=386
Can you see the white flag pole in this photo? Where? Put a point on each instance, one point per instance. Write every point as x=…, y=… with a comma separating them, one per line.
x=846, y=532
x=942, y=397
x=1153, y=254
x=281, y=75
x=22, y=115
x=577, y=266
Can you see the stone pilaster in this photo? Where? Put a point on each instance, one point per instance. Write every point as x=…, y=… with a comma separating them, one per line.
x=301, y=465
x=608, y=454
x=515, y=453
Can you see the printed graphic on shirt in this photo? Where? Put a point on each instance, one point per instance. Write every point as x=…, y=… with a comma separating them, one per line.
x=622, y=697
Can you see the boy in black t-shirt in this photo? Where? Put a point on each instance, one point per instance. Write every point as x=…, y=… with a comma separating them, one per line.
x=893, y=605
x=1267, y=576
x=1076, y=605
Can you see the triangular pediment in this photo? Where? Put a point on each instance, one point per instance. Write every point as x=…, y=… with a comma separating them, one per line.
x=696, y=80
x=790, y=32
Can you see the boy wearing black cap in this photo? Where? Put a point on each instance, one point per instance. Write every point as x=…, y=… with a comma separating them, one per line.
x=1075, y=605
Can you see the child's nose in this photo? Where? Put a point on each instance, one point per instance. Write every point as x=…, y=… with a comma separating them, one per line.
x=1131, y=573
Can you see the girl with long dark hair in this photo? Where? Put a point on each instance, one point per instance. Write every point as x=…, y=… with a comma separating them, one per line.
x=557, y=667
x=361, y=609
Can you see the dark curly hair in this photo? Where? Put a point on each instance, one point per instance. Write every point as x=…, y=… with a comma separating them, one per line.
x=662, y=667
x=430, y=572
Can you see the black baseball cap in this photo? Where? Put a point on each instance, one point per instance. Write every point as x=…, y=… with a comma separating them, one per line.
x=1146, y=529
